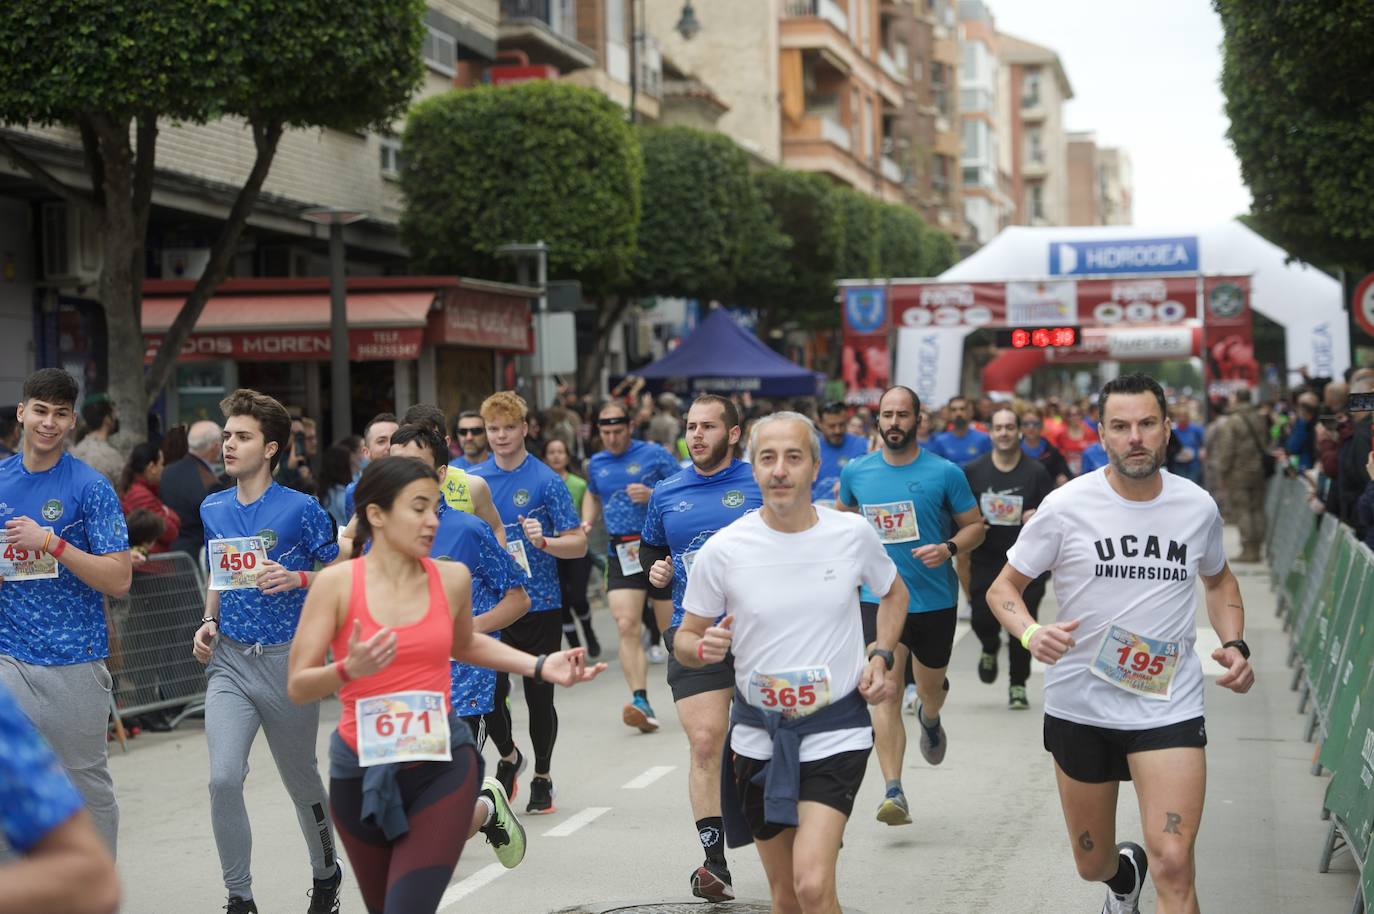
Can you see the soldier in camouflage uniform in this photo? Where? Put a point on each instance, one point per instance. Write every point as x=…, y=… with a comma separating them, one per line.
x=1239, y=451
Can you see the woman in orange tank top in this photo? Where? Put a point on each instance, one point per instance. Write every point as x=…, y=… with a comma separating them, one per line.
x=404, y=772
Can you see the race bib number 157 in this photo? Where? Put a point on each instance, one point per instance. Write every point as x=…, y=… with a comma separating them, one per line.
x=895, y=521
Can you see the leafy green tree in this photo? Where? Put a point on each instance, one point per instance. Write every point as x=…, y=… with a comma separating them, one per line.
x=862, y=214
x=902, y=242
x=112, y=69
x=940, y=252
x=799, y=285
x=1301, y=103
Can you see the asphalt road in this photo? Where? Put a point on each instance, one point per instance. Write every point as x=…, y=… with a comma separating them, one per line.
x=988, y=835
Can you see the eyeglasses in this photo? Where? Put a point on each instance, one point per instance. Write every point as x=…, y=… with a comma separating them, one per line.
x=465, y=432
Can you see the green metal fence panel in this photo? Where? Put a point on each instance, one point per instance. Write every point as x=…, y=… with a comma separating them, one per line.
x=1316, y=614
x=1356, y=668
x=1349, y=796
x=1348, y=622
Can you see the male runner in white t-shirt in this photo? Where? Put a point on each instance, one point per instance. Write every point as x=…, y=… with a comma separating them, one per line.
x=782, y=585
x=1123, y=692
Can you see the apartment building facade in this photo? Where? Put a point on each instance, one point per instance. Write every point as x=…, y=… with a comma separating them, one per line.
x=984, y=113
x=1099, y=182
x=1037, y=88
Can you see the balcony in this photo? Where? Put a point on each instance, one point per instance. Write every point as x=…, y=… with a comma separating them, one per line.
x=891, y=170
x=889, y=66
x=1034, y=166
x=545, y=30
x=832, y=131
x=828, y=10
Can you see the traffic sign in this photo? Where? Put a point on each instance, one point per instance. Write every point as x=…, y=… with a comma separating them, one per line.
x=1363, y=305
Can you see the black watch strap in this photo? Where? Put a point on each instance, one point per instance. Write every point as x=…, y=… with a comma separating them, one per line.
x=952, y=546
x=885, y=655
x=1241, y=646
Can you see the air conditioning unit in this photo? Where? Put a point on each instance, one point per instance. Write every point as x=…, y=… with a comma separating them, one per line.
x=72, y=254
x=184, y=263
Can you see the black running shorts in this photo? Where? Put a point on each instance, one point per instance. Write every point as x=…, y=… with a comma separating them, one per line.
x=686, y=681
x=616, y=579
x=1097, y=755
x=833, y=780
x=929, y=636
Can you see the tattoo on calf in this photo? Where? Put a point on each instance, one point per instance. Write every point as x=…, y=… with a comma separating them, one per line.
x=1085, y=841
x=1171, y=822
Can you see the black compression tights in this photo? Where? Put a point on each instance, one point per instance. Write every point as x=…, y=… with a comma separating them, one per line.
x=409, y=875
x=543, y=720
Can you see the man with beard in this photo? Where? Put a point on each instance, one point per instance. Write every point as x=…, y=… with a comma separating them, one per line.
x=685, y=511
x=1123, y=688
x=925, y=514
x=838, y=447
x=960, y=444
x=95, y=449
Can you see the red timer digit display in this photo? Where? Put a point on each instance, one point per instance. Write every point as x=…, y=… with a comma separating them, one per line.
x=1038, y=337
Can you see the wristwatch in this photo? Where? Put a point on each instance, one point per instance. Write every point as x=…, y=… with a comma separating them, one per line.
x=885, y=655
x=1241, y=646
x=953, y=548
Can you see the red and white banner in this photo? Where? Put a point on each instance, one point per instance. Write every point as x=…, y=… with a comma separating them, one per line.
x=488, y=320
x=1129, y=301
x=364, y=345
x=866, y=360
x=1228, y=342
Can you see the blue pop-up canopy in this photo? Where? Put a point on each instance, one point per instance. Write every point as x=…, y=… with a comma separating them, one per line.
x=721, y=356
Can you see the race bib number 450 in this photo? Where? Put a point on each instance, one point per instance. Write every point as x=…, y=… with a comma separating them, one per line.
x=403, y=727
x=793, y=693
x=236, y=562
x=895, y=521
x=1139, y=665
x=20, y=564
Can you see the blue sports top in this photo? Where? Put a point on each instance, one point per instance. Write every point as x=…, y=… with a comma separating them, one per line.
x=297, y=533
x=961, y=449
x=607, y=476
x=348, y=498
x=59, y=621
x=1094, y=457
x=532, y=490
x=833, y=460
x=936, y=490
x=687, y=508
x=462, y=462
x=35, y=794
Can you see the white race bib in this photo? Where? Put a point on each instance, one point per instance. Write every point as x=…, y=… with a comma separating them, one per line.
x=688, y=560
x=793, y=693
x=1139, y=665
x=402, y=727
x=895, y=521
x=516, y=548
x=1001, y=510
x=628, y=554
x=236, y=562
x=20, y=564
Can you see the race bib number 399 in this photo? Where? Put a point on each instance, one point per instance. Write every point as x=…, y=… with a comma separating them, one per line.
x=792, y=693
x=403, y=727
x=1139, y=665
x=20, y=564
x=236, y=562
x=895, y=521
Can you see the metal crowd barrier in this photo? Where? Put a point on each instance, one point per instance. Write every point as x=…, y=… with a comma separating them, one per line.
x=1324, y=578
x=150, y=640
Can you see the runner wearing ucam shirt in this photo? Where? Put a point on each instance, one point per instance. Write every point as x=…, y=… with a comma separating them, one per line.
x=686, y=510
x=1123, y=688
x=541, y=527
x=786, y=578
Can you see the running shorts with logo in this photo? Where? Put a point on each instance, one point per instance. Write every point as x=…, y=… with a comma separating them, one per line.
x=928, y=635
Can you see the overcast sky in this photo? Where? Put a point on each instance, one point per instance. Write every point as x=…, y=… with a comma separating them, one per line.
x=1145, y=77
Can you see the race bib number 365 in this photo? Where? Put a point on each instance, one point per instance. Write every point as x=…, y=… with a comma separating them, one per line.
x=236, y=562
x=1140, y=665
x=895, y=521
x=403, y=727
x=793, y=693
x=20, y=564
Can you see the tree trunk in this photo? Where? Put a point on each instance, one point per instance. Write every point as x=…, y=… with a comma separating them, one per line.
x=609, y=313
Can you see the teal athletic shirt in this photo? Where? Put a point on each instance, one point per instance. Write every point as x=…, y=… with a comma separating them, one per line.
x=936, y=490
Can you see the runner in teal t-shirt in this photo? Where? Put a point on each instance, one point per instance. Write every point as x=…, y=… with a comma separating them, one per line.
x=925, y=514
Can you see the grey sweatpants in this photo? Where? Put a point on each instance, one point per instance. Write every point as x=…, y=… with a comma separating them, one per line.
x=245, y=691
x=70, y=706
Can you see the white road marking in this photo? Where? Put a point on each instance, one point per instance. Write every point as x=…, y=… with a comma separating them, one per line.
x=648, y=777
x=460, y=890
x=590, y=814
x=1207, y=641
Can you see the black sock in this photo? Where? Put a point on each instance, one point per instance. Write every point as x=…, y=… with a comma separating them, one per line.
x=1123, y=883
x=711, y=832
x=642, y=693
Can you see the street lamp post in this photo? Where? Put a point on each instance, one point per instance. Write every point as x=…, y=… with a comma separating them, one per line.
x=340, y=394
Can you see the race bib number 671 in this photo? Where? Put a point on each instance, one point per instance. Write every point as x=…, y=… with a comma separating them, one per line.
x=403, y=727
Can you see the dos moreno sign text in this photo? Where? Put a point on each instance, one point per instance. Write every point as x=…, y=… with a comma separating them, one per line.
x=364, y=345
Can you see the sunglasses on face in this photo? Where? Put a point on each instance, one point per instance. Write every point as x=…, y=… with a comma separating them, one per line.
x=465, y=432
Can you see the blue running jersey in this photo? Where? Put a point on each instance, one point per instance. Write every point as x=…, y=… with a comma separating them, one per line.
x=532, y=490
x=608, y=475
x=59, y=621
x=35, y=794
x=687, y=509
x=935, y=490
x=296, y=532
x=348, y=498
x=464, y=538
x=1094, y=458
x=463, y=463
x=833, y=460
x=961, y=449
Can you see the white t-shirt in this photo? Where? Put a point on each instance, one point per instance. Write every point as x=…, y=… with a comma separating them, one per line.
x=1134, y=565
x=795, y=599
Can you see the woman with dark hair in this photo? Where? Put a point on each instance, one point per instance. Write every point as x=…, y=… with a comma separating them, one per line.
x=335, y=476
x=573, y=574
x=404, y=772
x=138, y=488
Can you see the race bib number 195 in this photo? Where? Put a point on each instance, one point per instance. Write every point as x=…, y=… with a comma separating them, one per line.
x=1140, y=665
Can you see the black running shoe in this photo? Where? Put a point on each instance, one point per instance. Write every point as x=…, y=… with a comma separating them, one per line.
x=593, y=646
x=712, y=882
x=541, y=797
x=508, y=773
x=239, y=905
x=324, y=897
x=987, y=667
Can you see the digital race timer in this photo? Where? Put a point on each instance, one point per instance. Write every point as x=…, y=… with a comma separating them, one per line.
x=1037, y=337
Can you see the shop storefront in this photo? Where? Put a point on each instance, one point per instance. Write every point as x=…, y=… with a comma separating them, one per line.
x=431, y=338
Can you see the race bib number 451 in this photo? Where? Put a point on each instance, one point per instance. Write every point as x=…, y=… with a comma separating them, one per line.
x=403, y=727
x=1140, y=665
x=793, y=693
x=895, y=521
x=236, y=562
x=20, y=564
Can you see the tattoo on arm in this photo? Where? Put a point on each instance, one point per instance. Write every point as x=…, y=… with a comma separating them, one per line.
x=1008, y=606
x=1171, y=822
x=1085, y=841
x=1235, y=606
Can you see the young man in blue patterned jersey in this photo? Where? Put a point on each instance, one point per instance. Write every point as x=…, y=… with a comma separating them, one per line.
x=620, y=479
x=541, y=527
x=376, y=445
x=263, y=542
x=65, y=547
x=684, y=512
x=838, y=447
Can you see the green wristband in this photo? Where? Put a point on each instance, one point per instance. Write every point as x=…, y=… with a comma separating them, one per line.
x=1026, y=635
